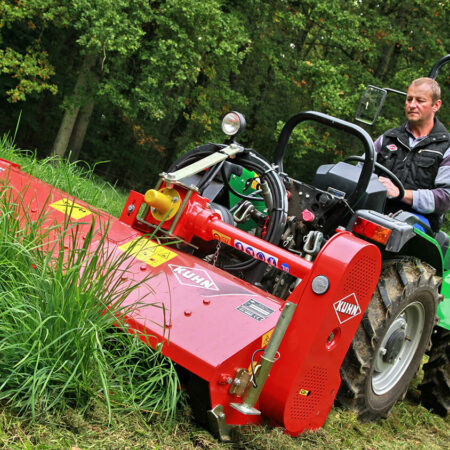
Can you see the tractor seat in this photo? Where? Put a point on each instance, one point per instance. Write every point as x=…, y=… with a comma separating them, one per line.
x=417, y=221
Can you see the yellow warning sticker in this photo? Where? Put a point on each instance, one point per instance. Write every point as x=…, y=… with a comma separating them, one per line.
x=69, y=207
x=266, y=338
x=148, y=251
x=221, y=237
x=304, y=392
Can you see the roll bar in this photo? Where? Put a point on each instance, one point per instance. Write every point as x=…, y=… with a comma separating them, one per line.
x=339, y=124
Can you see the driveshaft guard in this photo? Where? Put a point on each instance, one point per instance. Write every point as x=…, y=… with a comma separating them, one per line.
x=305, y=379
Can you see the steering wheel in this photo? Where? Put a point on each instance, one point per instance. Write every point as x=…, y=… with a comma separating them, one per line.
x=385, y=171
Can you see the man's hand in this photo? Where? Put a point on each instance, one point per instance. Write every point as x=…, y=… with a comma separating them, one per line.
x=393, y=191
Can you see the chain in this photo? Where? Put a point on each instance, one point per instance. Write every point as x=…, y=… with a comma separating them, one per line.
x=216, y=254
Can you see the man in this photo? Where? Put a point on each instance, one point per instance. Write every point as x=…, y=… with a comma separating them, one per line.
x=418, y=153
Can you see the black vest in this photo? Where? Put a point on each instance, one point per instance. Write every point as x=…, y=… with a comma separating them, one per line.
x=415, y=167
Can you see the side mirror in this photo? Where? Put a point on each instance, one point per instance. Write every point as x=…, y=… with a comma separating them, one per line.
x=370, y=105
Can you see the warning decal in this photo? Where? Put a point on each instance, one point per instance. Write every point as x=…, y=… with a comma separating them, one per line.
x=148, y=251
x=255, y=310
x=266, y=338
x=71, y=208
x=221, y=237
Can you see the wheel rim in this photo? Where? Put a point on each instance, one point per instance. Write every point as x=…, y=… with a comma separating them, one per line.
x=398, y=348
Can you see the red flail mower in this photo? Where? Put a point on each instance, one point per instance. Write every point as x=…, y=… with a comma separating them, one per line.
x=262, y=280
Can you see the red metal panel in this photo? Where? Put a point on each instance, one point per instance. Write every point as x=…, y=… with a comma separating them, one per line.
x=304, y=381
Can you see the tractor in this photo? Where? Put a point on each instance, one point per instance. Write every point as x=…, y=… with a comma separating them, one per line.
x=278, y=297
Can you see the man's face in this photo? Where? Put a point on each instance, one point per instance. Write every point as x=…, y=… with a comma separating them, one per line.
x=419, y=106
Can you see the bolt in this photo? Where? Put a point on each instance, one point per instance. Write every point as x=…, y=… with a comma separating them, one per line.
x=131, y=209
x=229, y=380
x=174, y=199
x=237, y=382
x=383, y=351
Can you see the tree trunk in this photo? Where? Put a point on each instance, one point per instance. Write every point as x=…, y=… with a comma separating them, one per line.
x=64, y=132
x=71, y=113
x=79, y=130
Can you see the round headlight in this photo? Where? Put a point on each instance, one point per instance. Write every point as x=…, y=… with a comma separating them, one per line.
x=233, y=123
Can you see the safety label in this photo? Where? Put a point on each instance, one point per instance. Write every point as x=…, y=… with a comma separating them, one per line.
x=69, y=207
x=266, y=338
x=256, y=253
x=148, y=251
x=304, y=392
x=256, y=310
x=188, y=276
x=347, y=308
x=221, y=237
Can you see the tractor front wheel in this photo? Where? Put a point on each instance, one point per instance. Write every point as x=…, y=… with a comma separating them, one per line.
x=435, y=387
x=394, y=334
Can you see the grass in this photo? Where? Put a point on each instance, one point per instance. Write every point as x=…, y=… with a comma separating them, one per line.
x=77, y=179
x=57, y=348
x=71, y=380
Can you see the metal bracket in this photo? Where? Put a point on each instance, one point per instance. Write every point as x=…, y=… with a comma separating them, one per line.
x=240, y=382
x=202, y=164
x=218, y=424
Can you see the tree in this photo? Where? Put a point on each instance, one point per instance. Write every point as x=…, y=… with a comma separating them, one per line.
x=149, y=79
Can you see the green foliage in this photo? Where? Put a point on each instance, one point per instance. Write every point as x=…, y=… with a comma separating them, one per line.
x=166, y=71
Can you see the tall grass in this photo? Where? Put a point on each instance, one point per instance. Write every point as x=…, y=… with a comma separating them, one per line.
x=60, y=295
x=75, y=178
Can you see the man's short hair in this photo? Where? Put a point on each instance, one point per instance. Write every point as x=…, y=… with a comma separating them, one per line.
x=434, y=86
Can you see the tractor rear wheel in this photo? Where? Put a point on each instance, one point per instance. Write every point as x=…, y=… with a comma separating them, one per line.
x=435, y=387
x=392, y=337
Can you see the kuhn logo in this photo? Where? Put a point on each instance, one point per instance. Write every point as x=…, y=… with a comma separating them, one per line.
x=193, y=277
x=347, y=308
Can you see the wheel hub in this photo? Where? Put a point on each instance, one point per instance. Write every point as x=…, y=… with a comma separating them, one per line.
x=394, y=345
x=397, y=348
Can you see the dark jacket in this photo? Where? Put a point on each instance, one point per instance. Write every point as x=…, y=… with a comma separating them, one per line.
x=416, y=167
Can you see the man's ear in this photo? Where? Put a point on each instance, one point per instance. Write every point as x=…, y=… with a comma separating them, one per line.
x=437, y=105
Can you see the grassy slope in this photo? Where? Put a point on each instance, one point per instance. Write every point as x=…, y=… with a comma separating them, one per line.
x=409, y=425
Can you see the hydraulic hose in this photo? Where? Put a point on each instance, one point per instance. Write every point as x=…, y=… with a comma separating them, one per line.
x=256, y=163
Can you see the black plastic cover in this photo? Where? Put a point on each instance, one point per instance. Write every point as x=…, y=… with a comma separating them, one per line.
x=344, y=177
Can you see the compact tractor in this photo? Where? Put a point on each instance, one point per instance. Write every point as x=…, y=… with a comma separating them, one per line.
x=277, y=297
